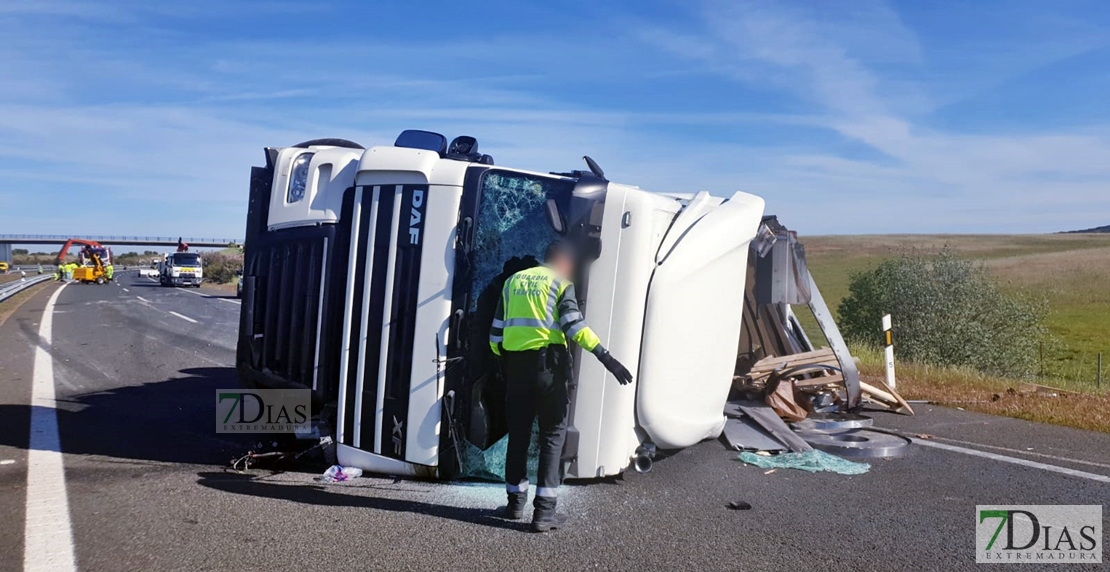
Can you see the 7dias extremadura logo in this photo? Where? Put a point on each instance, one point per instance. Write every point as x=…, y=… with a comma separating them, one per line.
x=263, y=411
x=1038, y=534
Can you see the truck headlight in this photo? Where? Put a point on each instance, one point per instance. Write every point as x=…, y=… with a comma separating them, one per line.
x=298, y=178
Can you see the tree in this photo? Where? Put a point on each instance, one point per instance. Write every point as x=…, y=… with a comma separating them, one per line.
x=945, y=311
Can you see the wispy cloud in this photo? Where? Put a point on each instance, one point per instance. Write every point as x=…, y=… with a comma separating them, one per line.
x=128, y=109
x=924, y=176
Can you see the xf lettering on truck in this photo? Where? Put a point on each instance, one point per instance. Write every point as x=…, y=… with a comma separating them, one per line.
x=416, y=217
x=397, y=434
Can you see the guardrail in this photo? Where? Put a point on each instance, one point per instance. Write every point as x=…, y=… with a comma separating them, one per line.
x=12, y=288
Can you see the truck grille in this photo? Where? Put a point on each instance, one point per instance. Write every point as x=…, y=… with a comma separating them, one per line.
x=383, y=272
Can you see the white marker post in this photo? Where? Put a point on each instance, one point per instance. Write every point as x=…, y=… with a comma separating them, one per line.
x=888, y=350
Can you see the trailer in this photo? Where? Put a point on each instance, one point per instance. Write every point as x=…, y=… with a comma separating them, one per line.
x=368, y=276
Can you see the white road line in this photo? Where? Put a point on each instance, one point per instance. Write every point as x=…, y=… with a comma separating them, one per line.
x=183, y=317
x=47, y=532
x=1014, y=460
x=126, y=290
x=209, y=296
x=143, y=299
x=1027, y=453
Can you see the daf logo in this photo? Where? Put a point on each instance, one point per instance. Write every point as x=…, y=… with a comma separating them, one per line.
x=397, y=434
x=416, y=217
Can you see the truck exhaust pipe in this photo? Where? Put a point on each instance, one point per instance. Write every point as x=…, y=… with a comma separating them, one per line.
x=644, y=458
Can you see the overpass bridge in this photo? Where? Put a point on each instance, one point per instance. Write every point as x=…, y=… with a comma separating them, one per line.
x=7, y=240
x=120, y=240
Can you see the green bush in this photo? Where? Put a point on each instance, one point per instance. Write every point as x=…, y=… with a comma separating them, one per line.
x=221, y=268
x=946, y=311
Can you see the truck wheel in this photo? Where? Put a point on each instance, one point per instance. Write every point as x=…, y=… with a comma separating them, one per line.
x=100, y=280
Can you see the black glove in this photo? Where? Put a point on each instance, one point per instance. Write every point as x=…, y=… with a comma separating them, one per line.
x=624, y=377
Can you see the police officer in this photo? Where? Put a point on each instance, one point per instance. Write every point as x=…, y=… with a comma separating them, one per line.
x=537, y=313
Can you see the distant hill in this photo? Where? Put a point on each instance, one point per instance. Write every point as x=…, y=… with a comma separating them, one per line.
x=1089, y=230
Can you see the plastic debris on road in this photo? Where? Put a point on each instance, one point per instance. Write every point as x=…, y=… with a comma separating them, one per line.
x=811, y=461
x=337, y=474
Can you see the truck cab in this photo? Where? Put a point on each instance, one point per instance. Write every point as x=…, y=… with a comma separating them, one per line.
x=369, y=276
x=181, y=269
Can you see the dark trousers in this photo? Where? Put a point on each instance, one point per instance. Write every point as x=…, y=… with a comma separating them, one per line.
x=536, y=386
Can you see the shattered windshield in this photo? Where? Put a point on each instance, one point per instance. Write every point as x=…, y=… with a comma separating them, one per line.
x=511, y=222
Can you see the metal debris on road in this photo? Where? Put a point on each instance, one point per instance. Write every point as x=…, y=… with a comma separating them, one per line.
x=833, y=422
x=766, y=417
x=745, y=434
x=860, y=443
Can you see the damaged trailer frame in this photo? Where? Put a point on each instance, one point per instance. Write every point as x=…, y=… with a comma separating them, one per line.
x=778, y=277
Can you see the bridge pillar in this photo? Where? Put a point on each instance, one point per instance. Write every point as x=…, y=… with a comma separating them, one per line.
x=5, y=252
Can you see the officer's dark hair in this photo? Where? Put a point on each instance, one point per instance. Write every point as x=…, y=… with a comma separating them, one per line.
x=558, y=247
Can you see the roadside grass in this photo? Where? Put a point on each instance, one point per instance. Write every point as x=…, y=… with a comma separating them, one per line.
x=220, y=286
x=1077, y=286
x=9, y=306
x=1077, y=406
x=1071, y=271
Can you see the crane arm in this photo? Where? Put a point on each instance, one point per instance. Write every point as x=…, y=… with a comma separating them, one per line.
x=65, y=249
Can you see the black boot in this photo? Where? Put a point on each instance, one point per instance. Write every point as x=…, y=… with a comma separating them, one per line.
x=515, y=509
x=544, y=518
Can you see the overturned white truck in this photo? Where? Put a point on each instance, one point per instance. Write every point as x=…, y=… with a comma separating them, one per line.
x=364, y=278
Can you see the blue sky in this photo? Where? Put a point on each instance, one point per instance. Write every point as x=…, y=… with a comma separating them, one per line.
x=847, y=116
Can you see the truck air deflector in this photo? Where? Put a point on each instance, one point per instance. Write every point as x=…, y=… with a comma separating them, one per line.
x=693, y=304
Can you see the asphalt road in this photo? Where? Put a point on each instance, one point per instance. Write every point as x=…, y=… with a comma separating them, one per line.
x=135, y=366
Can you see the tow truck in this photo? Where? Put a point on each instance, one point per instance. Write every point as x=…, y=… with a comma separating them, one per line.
x=92, y=261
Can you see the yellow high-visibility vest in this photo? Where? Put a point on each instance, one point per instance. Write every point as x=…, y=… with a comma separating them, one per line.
x=537, y=310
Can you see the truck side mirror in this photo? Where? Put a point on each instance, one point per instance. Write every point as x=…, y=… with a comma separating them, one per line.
x=554, y=217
